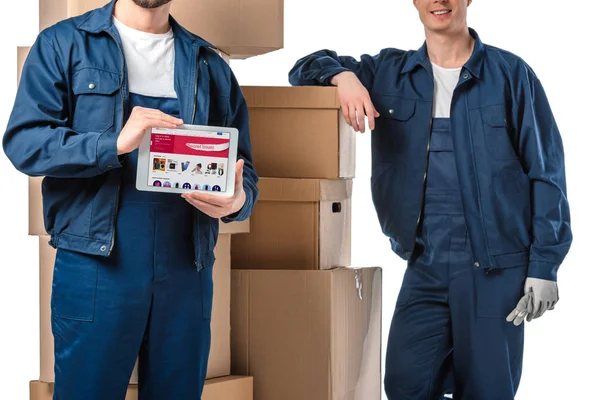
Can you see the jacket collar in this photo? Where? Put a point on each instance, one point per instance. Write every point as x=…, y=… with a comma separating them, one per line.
x=100, y=19
x=473, y=65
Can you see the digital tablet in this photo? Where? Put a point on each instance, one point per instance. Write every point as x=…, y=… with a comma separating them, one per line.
x=188, y=158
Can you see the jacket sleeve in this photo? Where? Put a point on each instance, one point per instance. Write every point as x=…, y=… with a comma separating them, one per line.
x=239, y=119
x=38, y=140
x=318, y=68
x=542, y=156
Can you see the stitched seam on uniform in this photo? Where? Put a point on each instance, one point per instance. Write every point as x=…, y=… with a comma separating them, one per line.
x=433, y=370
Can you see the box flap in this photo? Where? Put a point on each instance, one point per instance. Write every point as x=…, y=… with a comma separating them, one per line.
x=234, y=227
x=228, y=387
x=304, y=190
x=291, y=97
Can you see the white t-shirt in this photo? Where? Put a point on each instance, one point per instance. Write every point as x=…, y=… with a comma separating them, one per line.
x=150, y=61
x=445, y=81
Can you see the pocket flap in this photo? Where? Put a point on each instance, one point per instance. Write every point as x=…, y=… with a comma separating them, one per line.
x=95, y=81
x=395, y=107
x=494, y=116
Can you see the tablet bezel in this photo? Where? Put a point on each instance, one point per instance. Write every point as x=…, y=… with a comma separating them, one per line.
x=143, y=164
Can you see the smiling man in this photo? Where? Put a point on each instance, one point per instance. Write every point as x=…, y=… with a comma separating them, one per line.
x=468, y=181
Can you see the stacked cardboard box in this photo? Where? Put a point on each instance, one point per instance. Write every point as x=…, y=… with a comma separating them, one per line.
x=303, y=324
x=225, y=388
x=238, y=29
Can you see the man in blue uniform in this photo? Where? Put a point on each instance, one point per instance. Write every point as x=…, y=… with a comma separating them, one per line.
x=468, y=182
x=133, y=271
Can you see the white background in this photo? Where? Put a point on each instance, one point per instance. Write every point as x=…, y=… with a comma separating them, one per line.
x=557, y=38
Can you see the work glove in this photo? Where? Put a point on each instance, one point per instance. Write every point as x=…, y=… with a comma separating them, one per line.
x=540, y=295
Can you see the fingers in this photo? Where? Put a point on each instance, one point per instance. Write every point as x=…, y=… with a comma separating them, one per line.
x=543, y=309
x=520, y=318
x=156, y=118
x=168, y=118
x=513, y=314
x=518, y=315
x=352, y=114
x=360, y=116
x=209, y=209
x=210, y=199
x=159, y=123
x=371, y=112
x=346, y=112
x=239, y=172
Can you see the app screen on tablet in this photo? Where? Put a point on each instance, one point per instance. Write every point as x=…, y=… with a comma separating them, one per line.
x=187, y=159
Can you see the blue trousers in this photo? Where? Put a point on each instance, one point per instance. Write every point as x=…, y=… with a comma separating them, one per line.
x=448, y=333
x=146, y=299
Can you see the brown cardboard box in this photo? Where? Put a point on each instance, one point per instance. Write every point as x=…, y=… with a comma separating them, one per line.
x=226, y=388
x=299, y=132
x=229, y=388
x=297, y=224
x=219, y=362
x=241, y=28
x=36, y=219
x=308, y=334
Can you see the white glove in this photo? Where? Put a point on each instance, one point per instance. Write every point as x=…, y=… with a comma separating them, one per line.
x=540, y=295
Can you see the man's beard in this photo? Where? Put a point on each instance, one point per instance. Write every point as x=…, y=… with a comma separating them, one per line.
x=151, y=3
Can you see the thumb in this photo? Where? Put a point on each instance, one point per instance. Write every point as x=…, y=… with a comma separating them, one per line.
x=239, y=170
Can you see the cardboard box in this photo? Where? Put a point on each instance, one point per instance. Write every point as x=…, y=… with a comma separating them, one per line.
x=297, y=224
x=229, y=388
x=241, y=28
x=219, y=362
x=300, y=132
x=36, y=218
x=308, y=334
x=226, y=388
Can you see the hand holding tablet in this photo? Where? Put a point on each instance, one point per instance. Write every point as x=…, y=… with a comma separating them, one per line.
x=218, y=206
x=188, y=158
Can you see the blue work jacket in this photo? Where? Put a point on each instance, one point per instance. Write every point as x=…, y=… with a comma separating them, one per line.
x=509, y=152
x=73, y=101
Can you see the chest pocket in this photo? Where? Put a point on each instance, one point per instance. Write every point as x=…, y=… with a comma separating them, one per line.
x=218, y=110
x=96, y=94
x=497, y=132
x=393, y=128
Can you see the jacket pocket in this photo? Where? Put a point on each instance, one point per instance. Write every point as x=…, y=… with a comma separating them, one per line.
x=497, y=133
x=218, y=111
x=499, y=290
x=74, y=286
x=393, y=128
x=95, y=92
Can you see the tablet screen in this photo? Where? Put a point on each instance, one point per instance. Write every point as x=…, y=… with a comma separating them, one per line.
x=187, y=159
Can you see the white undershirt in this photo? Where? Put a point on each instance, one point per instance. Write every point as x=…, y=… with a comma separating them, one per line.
x=150, y=61
x=445, y=81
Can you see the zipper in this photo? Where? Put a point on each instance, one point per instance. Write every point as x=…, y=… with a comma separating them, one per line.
x=423, y=186
x=426, y=169
x=112, y=240
x=485, y=238
x=196, y=86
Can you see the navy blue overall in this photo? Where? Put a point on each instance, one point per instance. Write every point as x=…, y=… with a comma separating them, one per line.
x=449, y=329
x=146, y=298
